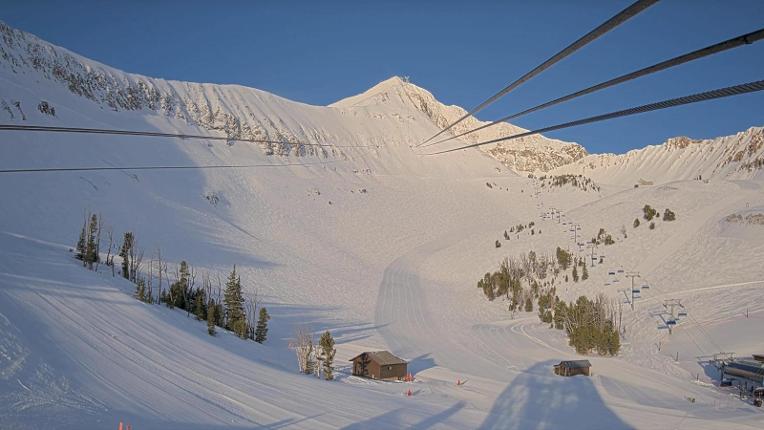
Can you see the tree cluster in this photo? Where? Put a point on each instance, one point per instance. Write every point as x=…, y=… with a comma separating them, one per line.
x=577, y=181
x=314, y=359
x=590, y=325
x=649, y=213
x=233, y=311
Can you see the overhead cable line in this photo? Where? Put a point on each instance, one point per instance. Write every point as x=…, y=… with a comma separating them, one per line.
x=50, y=129
x=746, y=39
x=615, y=21
x=101, y=168
x=694, y=98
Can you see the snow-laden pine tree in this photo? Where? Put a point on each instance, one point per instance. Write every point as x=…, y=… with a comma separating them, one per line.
x=91, y=247
x=200, y=307
x=211, y=318
x=124, y=252
x=234, y=305
x=81, y=246
x=327, y=355
x=261, y=332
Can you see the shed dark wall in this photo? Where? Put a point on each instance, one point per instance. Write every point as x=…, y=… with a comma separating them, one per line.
x=375, y=371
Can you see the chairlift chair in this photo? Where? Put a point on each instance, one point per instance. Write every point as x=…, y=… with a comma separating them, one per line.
x=758, y=397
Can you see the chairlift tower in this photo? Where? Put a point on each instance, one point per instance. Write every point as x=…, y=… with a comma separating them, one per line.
x=632, y=275
x=671, y=304
x=593, y=245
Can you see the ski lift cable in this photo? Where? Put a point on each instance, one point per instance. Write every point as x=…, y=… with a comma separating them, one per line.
x=735, y=42
x=180, y=167
x=693, y=98
x=50, y=129
x=613, y=22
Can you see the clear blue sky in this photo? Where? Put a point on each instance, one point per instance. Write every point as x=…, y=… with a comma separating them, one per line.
x=321, y=51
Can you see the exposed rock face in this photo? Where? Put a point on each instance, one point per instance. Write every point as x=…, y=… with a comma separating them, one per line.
x=204, y=105
x=739, y=156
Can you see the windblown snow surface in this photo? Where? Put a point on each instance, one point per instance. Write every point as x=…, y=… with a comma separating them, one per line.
x=392, y=267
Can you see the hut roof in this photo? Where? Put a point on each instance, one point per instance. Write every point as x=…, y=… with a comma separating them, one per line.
x=575, y=364
x=384, y=358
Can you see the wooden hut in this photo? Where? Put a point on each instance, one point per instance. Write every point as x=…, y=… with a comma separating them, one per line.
x=379, y=365
x=573, y=367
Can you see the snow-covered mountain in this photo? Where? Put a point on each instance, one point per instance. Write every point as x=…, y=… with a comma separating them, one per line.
x=526, y=154
x=740, y=156
x=364, y=237
x=389, y=112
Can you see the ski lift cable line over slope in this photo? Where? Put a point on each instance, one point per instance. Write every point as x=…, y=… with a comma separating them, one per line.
x=190, y=167
x=615, y=21
x=693, y=98
x=50, y=129
x=735, y=42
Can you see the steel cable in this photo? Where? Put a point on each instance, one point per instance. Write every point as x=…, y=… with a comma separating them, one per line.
x=746, y=39
x=615, y=21
x=694, y=98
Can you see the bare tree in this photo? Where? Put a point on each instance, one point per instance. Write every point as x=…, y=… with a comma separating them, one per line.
x=250, y=306
x=189, y=287
x=109, y=256
x=150, y=282
x=161, y=267
x=99, y=227
x=302, y=344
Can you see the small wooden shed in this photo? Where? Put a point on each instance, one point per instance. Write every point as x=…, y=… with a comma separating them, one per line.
x=379, y=365
x=573, y=367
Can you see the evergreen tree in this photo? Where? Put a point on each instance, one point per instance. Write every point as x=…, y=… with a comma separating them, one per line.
x=200, y=307
x=91, y=248
x=327, y=354
x=234, y=305
x=261, y=332
x=140, y=290
x=584, y=272
x=81, y=246
x=219, y=315
x=179, y=288
x=124, y=252
x=575, y=274
x=211, y=319
x=636, y=222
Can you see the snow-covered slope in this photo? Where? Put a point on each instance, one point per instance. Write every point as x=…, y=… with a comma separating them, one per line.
x=363, y=237
x=739, y=156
